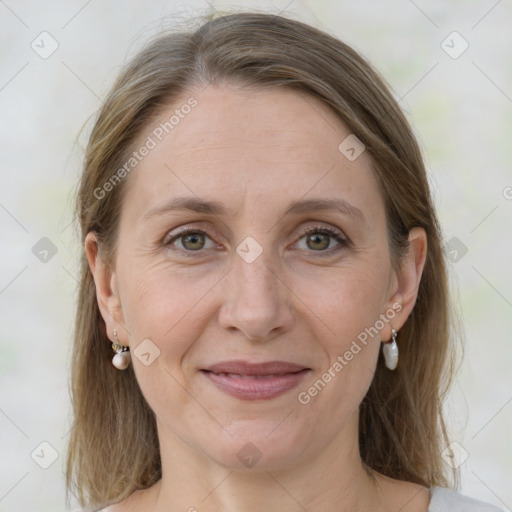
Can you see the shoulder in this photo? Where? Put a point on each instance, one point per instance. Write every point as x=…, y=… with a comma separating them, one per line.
x=142, y=499
x=118, y=507
x=444, y=500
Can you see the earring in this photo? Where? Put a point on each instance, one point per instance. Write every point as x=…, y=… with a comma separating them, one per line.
x=122, y=357
x=390, y=352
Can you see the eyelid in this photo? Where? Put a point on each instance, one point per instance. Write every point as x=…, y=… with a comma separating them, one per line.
x=337, y=234
x=185, y=230
x=331, y=230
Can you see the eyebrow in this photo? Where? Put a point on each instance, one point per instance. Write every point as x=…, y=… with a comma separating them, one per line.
x=194, y=204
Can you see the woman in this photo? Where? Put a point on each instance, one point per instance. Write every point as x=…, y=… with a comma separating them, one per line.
x=257, y=224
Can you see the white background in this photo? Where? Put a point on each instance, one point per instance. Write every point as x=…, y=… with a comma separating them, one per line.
x=461, y=109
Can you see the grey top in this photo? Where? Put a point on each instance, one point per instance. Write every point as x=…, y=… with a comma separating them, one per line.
x=444, y=500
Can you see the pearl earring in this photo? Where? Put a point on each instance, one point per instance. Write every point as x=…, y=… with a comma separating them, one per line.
x=390, y=351
x=122, y=357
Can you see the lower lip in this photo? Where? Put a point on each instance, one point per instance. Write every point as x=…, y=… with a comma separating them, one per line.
x=256, y=388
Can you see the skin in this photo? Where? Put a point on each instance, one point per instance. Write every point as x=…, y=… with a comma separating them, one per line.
x=256, y=151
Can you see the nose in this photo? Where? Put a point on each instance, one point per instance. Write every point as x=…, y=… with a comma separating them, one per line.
x=257, y=301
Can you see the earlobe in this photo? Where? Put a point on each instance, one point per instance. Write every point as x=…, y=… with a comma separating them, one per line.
x=107, y=293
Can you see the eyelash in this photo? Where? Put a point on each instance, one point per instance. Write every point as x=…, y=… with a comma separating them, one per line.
x=335, y=234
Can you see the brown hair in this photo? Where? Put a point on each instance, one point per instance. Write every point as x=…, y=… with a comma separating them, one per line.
x=114, y=447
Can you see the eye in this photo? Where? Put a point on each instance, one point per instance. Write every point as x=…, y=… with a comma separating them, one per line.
x=322, y=239
x=319, y=239
x=191, y=240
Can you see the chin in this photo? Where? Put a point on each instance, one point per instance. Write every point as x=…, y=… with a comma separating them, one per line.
x=259, y=446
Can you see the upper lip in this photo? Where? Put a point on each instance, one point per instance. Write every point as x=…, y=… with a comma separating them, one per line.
x=240, y=367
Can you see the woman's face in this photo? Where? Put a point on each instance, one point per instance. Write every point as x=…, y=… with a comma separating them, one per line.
x=285, y=258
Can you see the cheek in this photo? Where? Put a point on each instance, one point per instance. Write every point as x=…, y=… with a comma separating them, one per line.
x=346, y=302
x=348, y=309
x=163, y=304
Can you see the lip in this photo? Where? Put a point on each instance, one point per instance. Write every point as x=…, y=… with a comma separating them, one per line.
x=255, y=381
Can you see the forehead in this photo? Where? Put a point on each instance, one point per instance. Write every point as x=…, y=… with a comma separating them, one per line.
x=261, y=123
x=249, y=146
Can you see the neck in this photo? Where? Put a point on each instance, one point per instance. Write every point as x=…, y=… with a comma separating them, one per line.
x=335, y=479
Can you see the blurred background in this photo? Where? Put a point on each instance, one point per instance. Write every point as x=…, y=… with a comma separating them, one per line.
x=449, y=64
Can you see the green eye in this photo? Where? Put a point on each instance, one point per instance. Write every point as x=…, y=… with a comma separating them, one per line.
x=193, y=242
x=322, y=239
x=318, y=241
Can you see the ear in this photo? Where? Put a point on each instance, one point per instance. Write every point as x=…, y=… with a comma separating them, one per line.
x=107, y=292
x=406, y=281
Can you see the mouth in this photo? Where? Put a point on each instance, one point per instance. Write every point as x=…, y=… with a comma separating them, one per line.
x=255, y=381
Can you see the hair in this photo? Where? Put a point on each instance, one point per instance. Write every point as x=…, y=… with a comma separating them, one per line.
x=113, y=447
